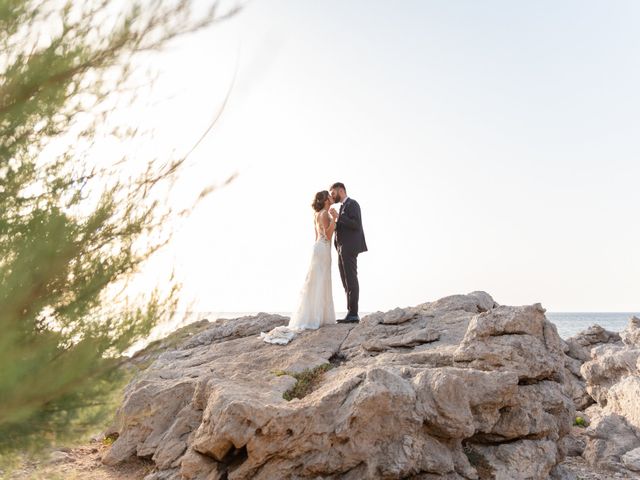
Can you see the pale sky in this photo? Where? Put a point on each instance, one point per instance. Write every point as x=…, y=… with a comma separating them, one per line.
x=491, y=145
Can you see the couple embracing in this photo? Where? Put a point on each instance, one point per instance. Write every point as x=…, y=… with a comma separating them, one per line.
x=316, y=299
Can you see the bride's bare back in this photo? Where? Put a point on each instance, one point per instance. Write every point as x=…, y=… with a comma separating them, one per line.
x=324, y=227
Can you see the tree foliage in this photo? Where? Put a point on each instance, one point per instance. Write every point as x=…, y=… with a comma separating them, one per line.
x=75, y=227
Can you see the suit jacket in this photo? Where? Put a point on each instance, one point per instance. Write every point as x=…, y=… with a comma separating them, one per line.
x=349, y=233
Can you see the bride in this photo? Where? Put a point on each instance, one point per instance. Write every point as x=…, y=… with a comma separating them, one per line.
x=316, y=299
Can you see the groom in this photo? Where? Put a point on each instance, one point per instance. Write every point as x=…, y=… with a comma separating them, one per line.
x=349, y=243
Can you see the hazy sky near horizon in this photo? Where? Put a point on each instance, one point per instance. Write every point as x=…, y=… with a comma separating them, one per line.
x=491, y=145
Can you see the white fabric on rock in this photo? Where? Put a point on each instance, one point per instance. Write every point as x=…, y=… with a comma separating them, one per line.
x=279, y=335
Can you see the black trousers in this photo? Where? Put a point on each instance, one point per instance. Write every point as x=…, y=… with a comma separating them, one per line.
x=348, y=265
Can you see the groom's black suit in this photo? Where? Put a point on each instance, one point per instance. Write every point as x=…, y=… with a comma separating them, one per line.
x=350, y=242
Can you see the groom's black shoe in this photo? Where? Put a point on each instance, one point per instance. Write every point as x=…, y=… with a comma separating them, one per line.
x=349, y=319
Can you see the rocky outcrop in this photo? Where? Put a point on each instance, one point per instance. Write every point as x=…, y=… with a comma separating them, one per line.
x=631, y=460
x=459, y=388
x=579, y=347
x=578, y=351
x=631, y=335
x=609, y=379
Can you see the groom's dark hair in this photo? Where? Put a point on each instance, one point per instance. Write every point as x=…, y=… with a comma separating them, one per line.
x=338, y=185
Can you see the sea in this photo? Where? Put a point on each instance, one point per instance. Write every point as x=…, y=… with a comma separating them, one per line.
x=568, y=323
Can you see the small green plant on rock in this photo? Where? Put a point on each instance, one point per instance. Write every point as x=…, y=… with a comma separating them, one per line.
x=109, y=439
x=580, y=422
x=307, y=381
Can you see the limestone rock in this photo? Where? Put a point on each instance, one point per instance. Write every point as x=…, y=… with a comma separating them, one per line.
x=520, y=459
x=574, y=381
x=406, y=340
x=574, y=444
x=452, y=389
x=631, y=460
x=608, y=438
x=580, y=345
x=516, y=339
x=631, y=335
x=578, y=351
x=235, y=328
x=610, y=375
x=609, y=364
x=576, y=386
x=397, y=316
x=624, y=398
x=562, y=472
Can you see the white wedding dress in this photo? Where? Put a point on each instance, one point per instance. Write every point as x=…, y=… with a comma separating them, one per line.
x=315, y=307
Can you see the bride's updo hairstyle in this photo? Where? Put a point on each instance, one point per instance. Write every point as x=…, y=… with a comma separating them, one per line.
x=318, y=202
